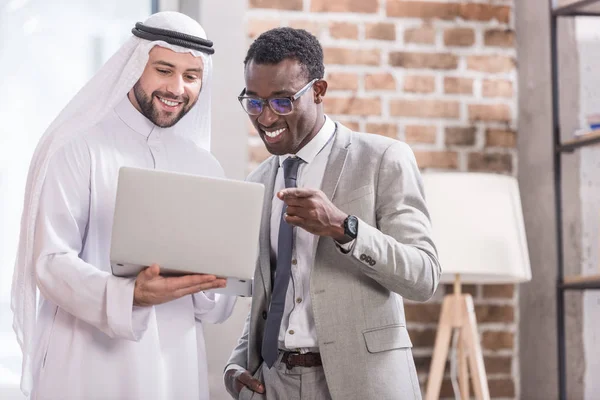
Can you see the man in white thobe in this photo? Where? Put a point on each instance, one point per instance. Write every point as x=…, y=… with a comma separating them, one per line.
x=98, y=336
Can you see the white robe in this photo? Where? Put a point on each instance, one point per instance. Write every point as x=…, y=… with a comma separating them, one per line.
x=91, y=342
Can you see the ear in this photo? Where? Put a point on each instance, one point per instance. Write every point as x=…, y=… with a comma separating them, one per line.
x=319, y=90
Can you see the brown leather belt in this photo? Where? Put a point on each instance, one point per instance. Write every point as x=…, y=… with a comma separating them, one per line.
x=291, y=359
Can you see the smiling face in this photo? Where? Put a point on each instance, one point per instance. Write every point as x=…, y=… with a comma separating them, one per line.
x=285, y=134
x=169, y=86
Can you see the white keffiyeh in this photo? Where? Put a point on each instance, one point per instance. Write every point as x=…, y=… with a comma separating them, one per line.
x=91, y=104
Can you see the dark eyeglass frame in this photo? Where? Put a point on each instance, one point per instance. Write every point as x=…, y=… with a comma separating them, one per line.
x=264, y=102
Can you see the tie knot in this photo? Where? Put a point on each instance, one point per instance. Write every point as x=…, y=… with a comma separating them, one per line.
x=290, y=170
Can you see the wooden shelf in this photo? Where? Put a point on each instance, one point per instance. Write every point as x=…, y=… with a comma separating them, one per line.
x=575, y=282
x=587, y=139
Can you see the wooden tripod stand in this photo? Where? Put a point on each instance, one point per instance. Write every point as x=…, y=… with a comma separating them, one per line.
x=458, y=313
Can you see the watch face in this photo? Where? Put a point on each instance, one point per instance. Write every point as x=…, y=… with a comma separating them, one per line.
x=352, y=226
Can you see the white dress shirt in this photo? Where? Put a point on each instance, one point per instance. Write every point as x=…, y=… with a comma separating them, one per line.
x=297, y=330
x=91, y=342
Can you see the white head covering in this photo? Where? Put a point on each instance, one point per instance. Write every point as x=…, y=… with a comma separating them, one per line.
x=91, y=104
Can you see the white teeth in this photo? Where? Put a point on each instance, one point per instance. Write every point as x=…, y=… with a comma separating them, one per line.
x=274, y=133
x=169, y=103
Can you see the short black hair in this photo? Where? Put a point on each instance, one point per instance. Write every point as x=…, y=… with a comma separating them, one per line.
x=276, y=45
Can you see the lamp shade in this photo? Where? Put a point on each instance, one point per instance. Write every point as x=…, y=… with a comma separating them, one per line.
x=478, y=227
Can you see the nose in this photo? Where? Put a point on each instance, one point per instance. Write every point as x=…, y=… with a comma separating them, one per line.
x=267, y=117
x=175, y=85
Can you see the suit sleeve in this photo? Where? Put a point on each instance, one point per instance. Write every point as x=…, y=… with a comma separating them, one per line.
x=239, y=355
x=83, y=290
x=399, y=252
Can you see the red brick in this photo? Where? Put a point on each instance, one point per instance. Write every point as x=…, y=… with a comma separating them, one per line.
x=437, y=159
x=453, y=85
x=310, y=26
x=457, y=136
x=501, y=388
x=382, y=81
x=350, y=124
x=421, y=9
x=499, y=38
x=421, y=35
x=389, y=130
x=497, y=88
x=422, y=338
x=500, y=138
x=353, y=106
x=422, y=312
x=498, y=365
x=484, y=12
x=419, y=84
x=420, y=134
x=258, y=26
x=425, y=108
x=489, y=112
x=497, y=340
x=295, y=5
x=491, y=64
x=463, y=37
x=342, y=56
x=423, y=60
x=381, y=31
x=343, y=30
x=490, y=162
x=499, y=291
x=357, y=6
x=342, y=80
x=487, y=313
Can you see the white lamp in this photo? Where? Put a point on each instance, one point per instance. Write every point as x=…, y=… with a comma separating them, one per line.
x=480, y=236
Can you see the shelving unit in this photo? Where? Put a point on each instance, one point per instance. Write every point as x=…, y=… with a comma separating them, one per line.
x=573, y=9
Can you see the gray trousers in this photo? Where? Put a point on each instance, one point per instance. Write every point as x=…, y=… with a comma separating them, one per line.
x=281, y=383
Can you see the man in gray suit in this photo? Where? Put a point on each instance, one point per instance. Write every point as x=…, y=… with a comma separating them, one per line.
x=345, y=235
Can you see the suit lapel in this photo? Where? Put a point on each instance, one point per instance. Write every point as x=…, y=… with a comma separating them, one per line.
x=337, y=159
x=265, y=229
x=336, y=162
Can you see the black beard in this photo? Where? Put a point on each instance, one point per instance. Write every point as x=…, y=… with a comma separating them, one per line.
x=149, y=110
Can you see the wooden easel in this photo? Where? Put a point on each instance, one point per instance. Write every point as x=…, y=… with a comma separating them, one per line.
x=458, y=312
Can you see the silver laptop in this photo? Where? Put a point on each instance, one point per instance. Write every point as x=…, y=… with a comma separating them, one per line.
x=186, y=224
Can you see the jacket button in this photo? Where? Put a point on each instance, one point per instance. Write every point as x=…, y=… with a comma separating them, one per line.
x=363, y=257
x=372, y=262
x=264, y=315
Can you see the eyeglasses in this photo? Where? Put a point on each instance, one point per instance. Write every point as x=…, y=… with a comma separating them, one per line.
x=279, y=105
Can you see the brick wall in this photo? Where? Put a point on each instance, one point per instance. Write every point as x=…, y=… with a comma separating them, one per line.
x=442, y=77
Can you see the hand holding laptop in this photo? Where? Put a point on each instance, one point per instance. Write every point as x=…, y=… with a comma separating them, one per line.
x=151, y=288
x=188, y=225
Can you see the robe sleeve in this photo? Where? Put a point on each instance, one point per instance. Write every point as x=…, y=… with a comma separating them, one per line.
x=213, y=308
x=83, y=290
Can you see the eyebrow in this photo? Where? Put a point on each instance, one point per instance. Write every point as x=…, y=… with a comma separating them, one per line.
x=166, y=64
x=277, y=93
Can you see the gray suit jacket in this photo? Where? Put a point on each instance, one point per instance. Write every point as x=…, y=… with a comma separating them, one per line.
x=357, y=297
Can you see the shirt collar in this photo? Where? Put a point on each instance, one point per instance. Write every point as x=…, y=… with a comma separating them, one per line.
x=314, y=147
x=133, y=118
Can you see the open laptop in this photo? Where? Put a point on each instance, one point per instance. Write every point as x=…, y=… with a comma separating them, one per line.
x=187, y=224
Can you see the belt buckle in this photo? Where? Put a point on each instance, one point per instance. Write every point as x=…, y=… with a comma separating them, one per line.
x=288, y=360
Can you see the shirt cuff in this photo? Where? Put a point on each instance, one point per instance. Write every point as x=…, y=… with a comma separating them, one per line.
x=345, y=247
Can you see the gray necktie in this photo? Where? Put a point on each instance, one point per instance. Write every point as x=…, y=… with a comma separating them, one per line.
x=285, y=244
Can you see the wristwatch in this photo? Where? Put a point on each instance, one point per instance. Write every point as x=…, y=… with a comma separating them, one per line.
x=351, y=227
